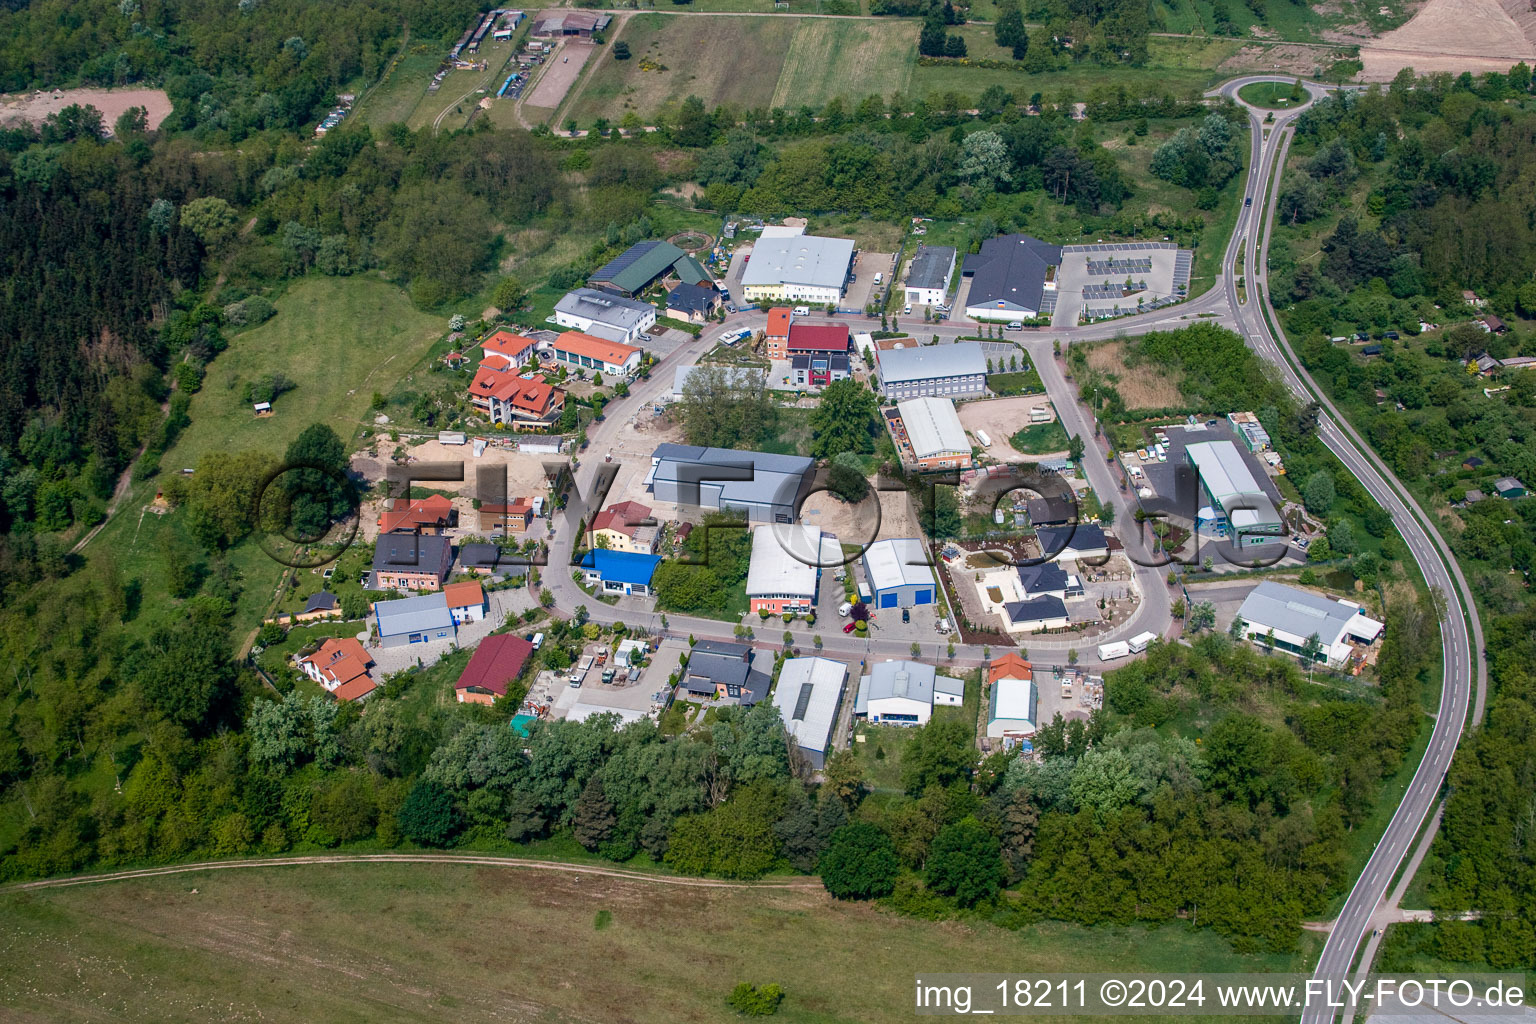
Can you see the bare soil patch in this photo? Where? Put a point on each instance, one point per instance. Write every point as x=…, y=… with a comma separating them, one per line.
x=524, y=471
x=1285, y=58
x=113, y=103
x=852, y=523
x=1001, y=418
x=1454, y=36
x=560, y=73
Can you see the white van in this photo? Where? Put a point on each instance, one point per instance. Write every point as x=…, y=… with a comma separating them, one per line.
x=538, y=640
x=843, y=610
x=879, y=277
x=802, y=311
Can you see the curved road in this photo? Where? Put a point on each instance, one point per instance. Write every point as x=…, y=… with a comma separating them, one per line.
x=1464, y=674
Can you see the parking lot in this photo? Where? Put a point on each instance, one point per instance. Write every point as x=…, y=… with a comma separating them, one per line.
x=1096, y=279
x=862, y=289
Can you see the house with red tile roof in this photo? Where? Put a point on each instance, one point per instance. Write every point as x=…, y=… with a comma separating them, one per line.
x=431, y=514
x=627, y=526
x=523, y=401
x=492, y=669
x=817, y=339
x=584, y=352
x=777, y=333
x=509, y=348
x=341, y=666
x=466, y=601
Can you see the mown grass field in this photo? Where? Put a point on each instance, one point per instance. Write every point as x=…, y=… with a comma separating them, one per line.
x=748, y=61
x=338, y=339
x=422, y=942
x=397, y=97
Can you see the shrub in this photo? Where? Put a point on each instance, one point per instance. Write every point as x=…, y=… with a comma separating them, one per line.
x=859, y=863
x=751, y=1000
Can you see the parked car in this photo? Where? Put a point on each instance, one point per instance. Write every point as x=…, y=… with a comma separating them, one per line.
x=906, y=310
x=850, y=627
x=1016, y=325
x=906, y=615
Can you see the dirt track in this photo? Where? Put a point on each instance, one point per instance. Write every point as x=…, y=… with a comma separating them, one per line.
x=477, y=860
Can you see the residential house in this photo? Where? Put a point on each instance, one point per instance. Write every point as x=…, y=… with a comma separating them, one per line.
x=1050, y=511
x=514, y=517
x=1083, y=541
x=808, y=695
x=904, y=693
x=620, y=572
x=818, y=353
x=413, y=620
x=407, y=561
x=899, y=573
x=809, y=370
x=726, y=671
x=1495, y=325
x=694, y=303
x=432, y=514
x=466, y=601
x=645, y=263
x=584, y=352
x=605, y=315
x=490, y=559
x=784, y=574
x=505, y=350
x=1048, y=578
x=322, y=604
x=1011, y=709
x=492, y=669
x=626, y=526
x=1036, y=614
x=523, y=401
x=776, y=335
x=341, y=666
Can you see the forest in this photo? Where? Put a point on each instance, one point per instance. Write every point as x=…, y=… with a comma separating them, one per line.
x=1414, y=195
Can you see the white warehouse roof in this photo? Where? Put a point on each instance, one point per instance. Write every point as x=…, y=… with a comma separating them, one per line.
x=898, y=562
x=926, y=362
x=1226, y=476
x=1301, y=613
x=808, y=694
x=933, y=427
x=785, y=559
x=799, y=259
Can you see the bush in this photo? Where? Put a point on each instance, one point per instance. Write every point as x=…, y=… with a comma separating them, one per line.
x=753, y=1001
x=429, y=816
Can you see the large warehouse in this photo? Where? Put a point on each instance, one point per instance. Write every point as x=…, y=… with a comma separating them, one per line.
x=785, y=570
x=953, y=371
x=766, y=487
x=1013, y=276
x=1294, y=615
x=797, y=268
x=904, y=693
x=809, y=692
x=1239, y=505
x=898, y=573
x=928, y=433
x=645, y=263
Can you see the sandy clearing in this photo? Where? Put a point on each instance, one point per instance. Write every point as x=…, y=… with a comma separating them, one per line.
x=1282, y=58
x=560, y=73
x=524, y=470
x=113, y=103
x=1454, y=36
x=1001, y=418
x=850, y=523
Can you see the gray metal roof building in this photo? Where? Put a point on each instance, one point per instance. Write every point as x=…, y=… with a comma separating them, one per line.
x=809, y=692
x=953, y=371
x=1289, y=616
x=1009, y=275
x=899, y=573
x=604, y=314
x=413, y=620
x=928, y=275
x=804, y=260
x=1231, y=486
x=933, y=427
x=766, y=487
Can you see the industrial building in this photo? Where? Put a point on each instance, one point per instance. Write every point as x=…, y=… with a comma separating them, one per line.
x=797, y=268
x=643, y=264
x=904, y=693
x=604, y=315
x=413, y=620
x=1013, y=276
x=619, y=572
x=1289, y=616
x=809, y=692
x=784, y=573
x=1250, y=430
x=928, y=275
x=1238, y=505
x=767, y=488
x=585, y=352
x=928, y=433
x=898, y=573
x=1011, y=708
x=950, y=371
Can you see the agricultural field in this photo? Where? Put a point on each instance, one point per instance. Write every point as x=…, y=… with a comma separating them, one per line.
x=750, y=62
x=427, y=942
x=338, y=339
x=403, y=95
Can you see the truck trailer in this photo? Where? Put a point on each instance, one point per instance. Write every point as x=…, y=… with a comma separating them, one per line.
x=1118, y=649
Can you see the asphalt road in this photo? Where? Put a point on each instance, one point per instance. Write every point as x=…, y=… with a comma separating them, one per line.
x=1464, y=679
